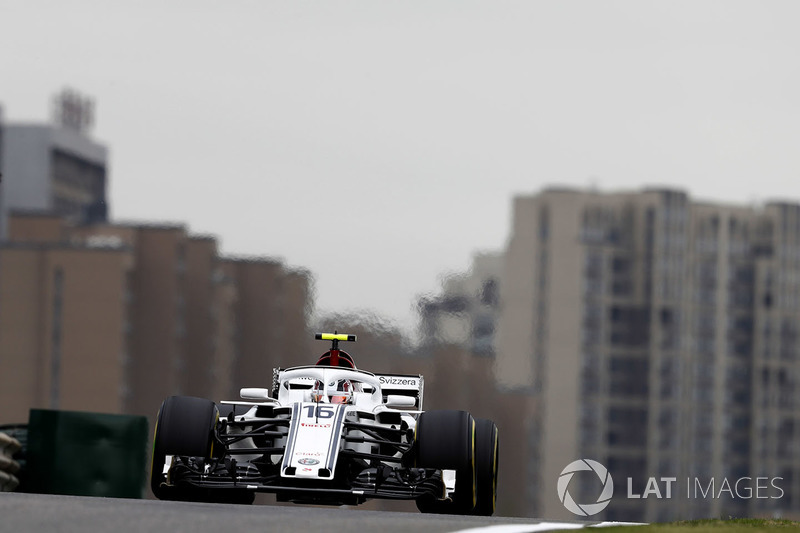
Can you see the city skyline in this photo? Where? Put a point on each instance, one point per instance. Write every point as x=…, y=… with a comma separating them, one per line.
x=658, y=336
x=380, y=146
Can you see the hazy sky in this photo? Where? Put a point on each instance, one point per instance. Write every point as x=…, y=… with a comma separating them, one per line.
x=379, y=144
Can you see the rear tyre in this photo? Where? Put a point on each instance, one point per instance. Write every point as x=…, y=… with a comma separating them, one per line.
x=445, y=440
x=184, y=427
x=487, y=446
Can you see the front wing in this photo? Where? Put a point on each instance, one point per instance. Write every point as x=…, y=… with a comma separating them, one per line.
x=309, y=453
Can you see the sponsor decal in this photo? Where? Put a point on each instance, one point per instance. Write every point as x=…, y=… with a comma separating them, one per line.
x=398, y=381
x=335, y=436
x=307, y=425
x=293, y=428
x=308, y=461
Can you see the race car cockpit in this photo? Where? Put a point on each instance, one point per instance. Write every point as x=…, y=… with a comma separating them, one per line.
x=339, y=358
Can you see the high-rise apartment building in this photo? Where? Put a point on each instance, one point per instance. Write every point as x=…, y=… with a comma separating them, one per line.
x=657, y=336
x=465, y=312
x=62, y=321
x=156, y=306
x=124, y=315
x=201, y=316
x=271, y=317
x=54, y=167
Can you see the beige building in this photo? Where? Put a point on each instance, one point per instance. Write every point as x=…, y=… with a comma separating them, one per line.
x=156, y=329
x=270, y=315
x=116, y=317
x=201, y=315
x=657, y=336
x=63, y=315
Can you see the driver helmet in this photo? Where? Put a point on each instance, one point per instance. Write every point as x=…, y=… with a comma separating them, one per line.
x=345, y=386
x=336, y=358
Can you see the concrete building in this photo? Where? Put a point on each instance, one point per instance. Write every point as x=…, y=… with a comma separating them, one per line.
x=53, y=167
x=201, y=315
x=225, y=295
x=155, y=310
x=63, y=314
x=774, y=398
x=156, y=328
x=466, y=311
x=271, y=317
x=648, y=329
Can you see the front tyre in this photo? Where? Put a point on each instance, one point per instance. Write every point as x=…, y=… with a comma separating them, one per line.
x=487, y=447
x=184, y=427
x=445, y=440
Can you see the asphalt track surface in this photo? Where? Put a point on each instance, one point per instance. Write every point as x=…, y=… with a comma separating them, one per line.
x=48, y=513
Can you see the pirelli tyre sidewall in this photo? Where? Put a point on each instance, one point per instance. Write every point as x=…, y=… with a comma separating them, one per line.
x=446, y=440
x=184, y=427
x=487, y=448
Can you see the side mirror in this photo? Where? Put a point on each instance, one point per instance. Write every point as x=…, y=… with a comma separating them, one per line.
x=399, y=401
x=255, y=393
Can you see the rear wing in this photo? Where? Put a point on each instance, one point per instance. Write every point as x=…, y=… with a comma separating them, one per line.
x=403, y=384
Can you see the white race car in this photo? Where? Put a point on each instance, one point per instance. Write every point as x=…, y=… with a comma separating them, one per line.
x=326, y=434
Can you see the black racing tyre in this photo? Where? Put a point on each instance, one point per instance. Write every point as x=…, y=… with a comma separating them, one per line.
x=185, y=427
x=487, y=447
x=446, y=440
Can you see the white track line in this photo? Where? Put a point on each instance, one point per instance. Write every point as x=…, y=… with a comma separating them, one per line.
x=522, y=528
x=612, y=524
x=541, y=526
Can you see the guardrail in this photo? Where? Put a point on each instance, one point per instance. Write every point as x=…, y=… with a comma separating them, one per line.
x=8, y=466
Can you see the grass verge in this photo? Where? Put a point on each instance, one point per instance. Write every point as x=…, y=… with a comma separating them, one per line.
x=734, y=525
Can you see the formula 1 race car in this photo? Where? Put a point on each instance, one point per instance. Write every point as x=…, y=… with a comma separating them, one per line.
x=326, y=434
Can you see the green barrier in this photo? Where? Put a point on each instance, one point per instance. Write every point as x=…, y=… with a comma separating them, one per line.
x=86, y=454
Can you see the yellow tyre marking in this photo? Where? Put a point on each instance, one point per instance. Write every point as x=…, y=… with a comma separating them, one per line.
x=474, y=471
x=494, y=472
x=216, y=421
x=153, y=453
